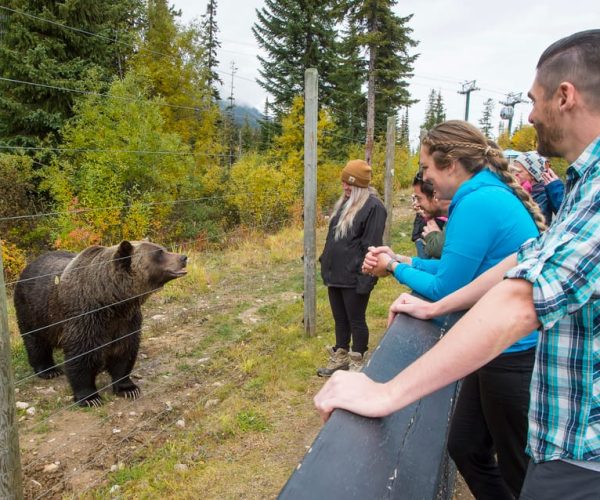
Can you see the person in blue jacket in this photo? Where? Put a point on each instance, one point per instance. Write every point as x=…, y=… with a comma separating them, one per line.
x=536, y=176
x=490, y=216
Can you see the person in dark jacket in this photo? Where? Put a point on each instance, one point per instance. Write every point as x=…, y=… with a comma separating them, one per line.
x=357, y=222
x=434, y=211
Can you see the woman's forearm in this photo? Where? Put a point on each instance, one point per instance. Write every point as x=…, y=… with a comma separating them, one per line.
x=468, y=295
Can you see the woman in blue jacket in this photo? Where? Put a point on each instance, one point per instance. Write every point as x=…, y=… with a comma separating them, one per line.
x=490, y=216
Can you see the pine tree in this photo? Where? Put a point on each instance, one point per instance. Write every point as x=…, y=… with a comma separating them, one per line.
x=430, y=112
x=211, y=44
x=386, y=38
x=485, y=123
x=40, y=51
x=440, y=109
x=249, y=138
x=296, y=35
x=267, y=128
x=404, y=135
x=170, y=59
x=349, y=104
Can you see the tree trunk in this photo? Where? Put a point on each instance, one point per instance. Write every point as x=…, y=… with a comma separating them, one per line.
x=371, y=105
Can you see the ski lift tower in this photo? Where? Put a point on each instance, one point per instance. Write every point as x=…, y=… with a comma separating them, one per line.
x=508, y=111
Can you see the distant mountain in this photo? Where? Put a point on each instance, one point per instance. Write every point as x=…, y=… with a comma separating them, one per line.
x=241, y=112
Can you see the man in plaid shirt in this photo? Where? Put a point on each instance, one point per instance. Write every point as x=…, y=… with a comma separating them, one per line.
x=554, y=286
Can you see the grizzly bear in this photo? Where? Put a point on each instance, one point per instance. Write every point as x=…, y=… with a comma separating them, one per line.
x=89, y=305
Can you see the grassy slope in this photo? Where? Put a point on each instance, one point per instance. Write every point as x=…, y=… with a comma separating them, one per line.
x=253, y=419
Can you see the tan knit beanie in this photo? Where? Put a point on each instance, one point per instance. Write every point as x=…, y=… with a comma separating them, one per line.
x=357, y=173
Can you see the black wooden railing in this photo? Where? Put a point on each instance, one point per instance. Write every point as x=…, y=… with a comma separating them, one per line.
x=402, y=456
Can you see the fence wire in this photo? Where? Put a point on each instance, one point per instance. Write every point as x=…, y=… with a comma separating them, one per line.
x=185, y=402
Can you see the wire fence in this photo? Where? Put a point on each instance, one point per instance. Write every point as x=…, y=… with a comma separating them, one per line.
x=224, y=288
x=221, y=298
x=153, y=391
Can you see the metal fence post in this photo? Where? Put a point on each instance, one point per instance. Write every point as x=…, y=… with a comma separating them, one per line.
x=310, y=200
x=10, y=462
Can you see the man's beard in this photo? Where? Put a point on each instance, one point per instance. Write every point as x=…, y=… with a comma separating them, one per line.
x=548, y=137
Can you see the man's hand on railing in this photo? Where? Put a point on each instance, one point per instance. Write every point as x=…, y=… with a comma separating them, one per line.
x=411, y=305
x=354, y=392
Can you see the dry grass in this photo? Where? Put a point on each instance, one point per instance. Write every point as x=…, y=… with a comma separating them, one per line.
x=247, y=407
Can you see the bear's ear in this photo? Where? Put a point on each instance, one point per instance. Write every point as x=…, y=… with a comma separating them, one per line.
x=123, y=255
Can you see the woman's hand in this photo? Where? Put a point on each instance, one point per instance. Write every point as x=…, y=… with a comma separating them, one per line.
x=411, y=305
x=354, y=392
x=549, y=176
x=430, y=227
x=369, y=263
x=380, y=269
x=372, y=258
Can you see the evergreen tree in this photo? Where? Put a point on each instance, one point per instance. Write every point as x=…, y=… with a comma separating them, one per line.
x=296, y=35
x=35, y=48
x=349, y=104
x=268, y=129
x=434, y=110
x=170, y=59
x=404, y=135
x=485, y=123
x=439, y=109
x=211, y=44
x=386, y=38
x=249, y=138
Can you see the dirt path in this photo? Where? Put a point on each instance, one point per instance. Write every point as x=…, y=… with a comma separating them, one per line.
x=68, y=450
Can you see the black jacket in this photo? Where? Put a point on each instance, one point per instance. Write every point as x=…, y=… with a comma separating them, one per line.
x=341, y=260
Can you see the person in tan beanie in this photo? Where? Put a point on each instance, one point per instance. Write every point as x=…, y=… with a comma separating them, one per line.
x=357, y=222
x=357, y=173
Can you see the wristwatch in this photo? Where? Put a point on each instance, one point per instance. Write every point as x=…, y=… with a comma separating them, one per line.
x=388, y=266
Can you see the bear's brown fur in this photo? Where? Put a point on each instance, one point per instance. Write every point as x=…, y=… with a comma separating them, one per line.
x=89, y=304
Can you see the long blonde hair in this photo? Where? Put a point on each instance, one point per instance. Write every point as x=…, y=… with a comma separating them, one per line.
x=461, y=141
x=348, y=208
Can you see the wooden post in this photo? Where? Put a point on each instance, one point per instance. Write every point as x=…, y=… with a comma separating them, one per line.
x=390, y=139
x=10, y=462
x=310, y=200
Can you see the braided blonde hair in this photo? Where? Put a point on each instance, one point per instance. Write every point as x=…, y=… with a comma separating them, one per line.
x=461, y=141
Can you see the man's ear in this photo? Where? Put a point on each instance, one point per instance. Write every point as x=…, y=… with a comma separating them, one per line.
x=566, y=96
x=123, y=255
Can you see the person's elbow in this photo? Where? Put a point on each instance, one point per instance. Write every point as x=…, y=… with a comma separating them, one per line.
x=518, y=296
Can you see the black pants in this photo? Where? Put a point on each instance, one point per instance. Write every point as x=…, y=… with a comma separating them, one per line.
x=558, y=480
x=348, y=309
x=489, y=421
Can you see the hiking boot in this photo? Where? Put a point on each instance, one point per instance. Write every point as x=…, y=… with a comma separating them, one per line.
x=338, y=360
x=357, y=360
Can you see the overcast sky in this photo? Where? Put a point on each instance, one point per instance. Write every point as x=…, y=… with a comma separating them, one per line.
x=497, y=44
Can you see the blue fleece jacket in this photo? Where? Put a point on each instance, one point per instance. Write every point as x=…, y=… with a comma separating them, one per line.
x=549, y=197
x=486, y=223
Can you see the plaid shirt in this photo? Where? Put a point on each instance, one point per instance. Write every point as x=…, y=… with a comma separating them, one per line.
x=563, y=265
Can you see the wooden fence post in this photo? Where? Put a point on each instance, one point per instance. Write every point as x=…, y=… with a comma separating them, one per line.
x=310, y=200
x=390, y=139
x=10, y=462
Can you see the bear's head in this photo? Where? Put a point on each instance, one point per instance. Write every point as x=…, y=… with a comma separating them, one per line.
x=150, y=265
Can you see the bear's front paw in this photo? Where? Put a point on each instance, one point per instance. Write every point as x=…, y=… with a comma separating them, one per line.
x=49, y=373
x=128, y=391
x=93, y=401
